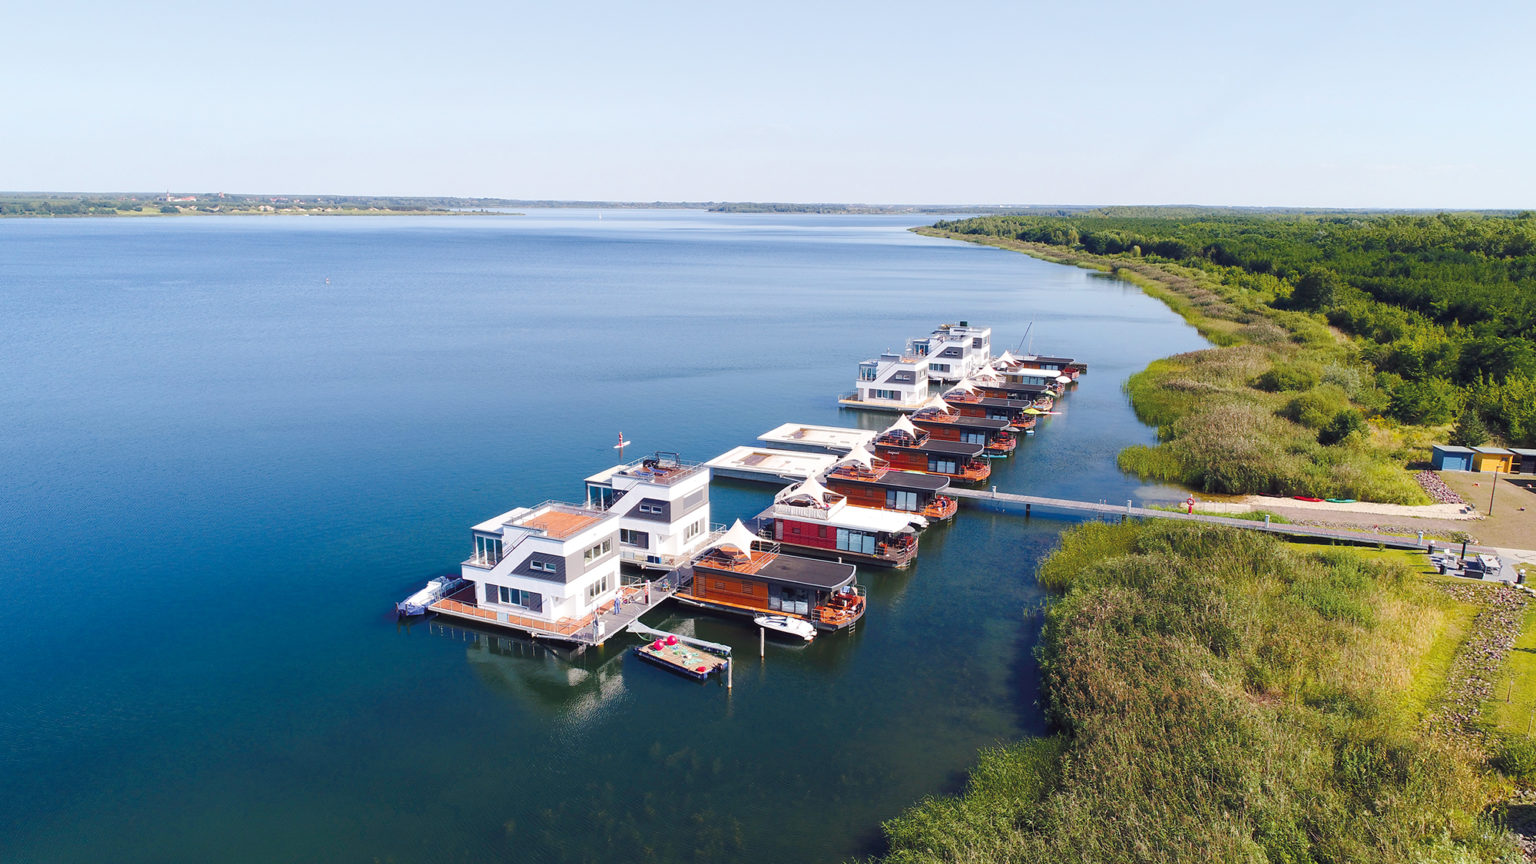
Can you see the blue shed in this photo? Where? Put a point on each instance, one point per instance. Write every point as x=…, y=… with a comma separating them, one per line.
x=1444, y=457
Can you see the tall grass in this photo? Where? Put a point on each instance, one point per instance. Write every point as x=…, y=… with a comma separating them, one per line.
x=1220, y=696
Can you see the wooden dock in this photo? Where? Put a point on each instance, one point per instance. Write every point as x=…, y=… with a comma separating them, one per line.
x=1009, y=502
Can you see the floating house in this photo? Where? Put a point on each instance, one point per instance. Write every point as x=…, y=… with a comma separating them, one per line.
x=662, y=504
x=955, y=351
x=1493, y=459
x=866, y=480
x=967, y=399
x=811, y=518
x=544, y=570
x=909, y=448
x=740, y=573
x=769, y=464
x=1448, y=457
x=816, y=439
x=892, y=382
x=944, y=423
x=1036, y=365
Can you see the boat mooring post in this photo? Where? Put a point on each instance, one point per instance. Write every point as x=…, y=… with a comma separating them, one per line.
x=762, y=642
x=728, y=666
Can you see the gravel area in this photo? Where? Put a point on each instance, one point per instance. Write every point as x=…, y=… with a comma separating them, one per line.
x=1441, y=493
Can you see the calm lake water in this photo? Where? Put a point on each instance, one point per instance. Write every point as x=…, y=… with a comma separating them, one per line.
x=230, y=444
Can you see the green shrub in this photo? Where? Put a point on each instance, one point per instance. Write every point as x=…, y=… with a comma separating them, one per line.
x=1516, y=759
x=1289, y=376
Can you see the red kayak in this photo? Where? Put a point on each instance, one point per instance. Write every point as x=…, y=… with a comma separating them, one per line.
x=1306, y=498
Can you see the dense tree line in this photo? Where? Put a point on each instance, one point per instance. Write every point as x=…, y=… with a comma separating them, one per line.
x=1443, y=305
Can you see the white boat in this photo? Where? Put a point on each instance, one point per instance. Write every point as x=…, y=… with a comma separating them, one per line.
x=437, y=589
x=786, y=625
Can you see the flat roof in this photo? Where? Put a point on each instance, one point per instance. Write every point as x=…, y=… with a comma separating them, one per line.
x=809, y=572
x=968, y=422
x=771, y=463
x=836, y=438
x=661, y=468
x=1452, y=448
x=947, y=448
x=1492, y=451
x=899, y=480
x=560, y=522
x=1520, y=451
x=846, y=516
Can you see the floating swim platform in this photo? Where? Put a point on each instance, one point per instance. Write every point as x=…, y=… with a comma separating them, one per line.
x=681, y=658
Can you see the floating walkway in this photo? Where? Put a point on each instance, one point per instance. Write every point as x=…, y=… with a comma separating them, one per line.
x=774, y=466
x=818, y=439
x=1009, y=502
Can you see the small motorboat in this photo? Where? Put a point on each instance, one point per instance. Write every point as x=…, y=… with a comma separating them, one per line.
x=786, y=625
x=418, y=603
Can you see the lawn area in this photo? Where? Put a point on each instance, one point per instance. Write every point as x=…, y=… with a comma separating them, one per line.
x=1517, y=684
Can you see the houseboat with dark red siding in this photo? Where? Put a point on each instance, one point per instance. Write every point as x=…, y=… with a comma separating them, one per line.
x=744, y=574
x=866, y=480
x=808, y=517
x=909, y=448
x=944, y=423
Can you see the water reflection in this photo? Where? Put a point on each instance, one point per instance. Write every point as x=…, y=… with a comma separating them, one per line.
x=542, y=675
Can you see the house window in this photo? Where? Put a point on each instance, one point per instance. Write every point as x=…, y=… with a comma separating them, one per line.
x=900, y=500
x=544, y=566
x=599, y=588
x=855, y=541
x=487, y=549
x=939, y=367
x=867, y=373
x=885, y=394
x=973, y=437
x=941, y=466
x=630, y=537
x=693, y=530
x=597, y=551
x=518, y=597
x=654, y=509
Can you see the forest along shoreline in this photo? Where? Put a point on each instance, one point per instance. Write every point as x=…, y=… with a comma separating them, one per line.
x=1218, y=694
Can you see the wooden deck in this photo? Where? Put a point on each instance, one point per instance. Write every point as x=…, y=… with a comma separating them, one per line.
x=1026, y=504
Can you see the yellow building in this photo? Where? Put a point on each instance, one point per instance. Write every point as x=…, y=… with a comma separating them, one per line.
x=1491, y=459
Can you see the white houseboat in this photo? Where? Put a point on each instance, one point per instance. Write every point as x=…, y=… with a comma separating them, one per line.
x=955, y=350
x=892, y=382
x=544, y=570
x=662, y=504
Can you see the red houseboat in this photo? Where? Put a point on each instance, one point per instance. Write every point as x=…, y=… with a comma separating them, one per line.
x=810, y=518
x=866, y=480
x=744, y=574
x=909, y=448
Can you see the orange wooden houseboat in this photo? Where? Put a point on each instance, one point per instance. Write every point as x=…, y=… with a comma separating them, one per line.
x=744, y=574
x=866, y=480
x=909, y=448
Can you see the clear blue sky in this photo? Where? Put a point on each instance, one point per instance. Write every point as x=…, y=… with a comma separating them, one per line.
x=1408, y=104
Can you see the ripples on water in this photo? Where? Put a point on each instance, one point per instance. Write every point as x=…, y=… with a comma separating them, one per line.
x=222, y=470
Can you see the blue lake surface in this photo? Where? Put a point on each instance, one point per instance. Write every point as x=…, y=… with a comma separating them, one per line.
x=230, y=444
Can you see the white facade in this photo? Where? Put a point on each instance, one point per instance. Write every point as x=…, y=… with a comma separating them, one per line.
x=551, y=563
x=894, y=381
x=955, y=351
x=662, y=506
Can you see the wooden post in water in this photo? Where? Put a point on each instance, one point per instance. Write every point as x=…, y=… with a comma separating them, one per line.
x=762, y=643
x=728, y=667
